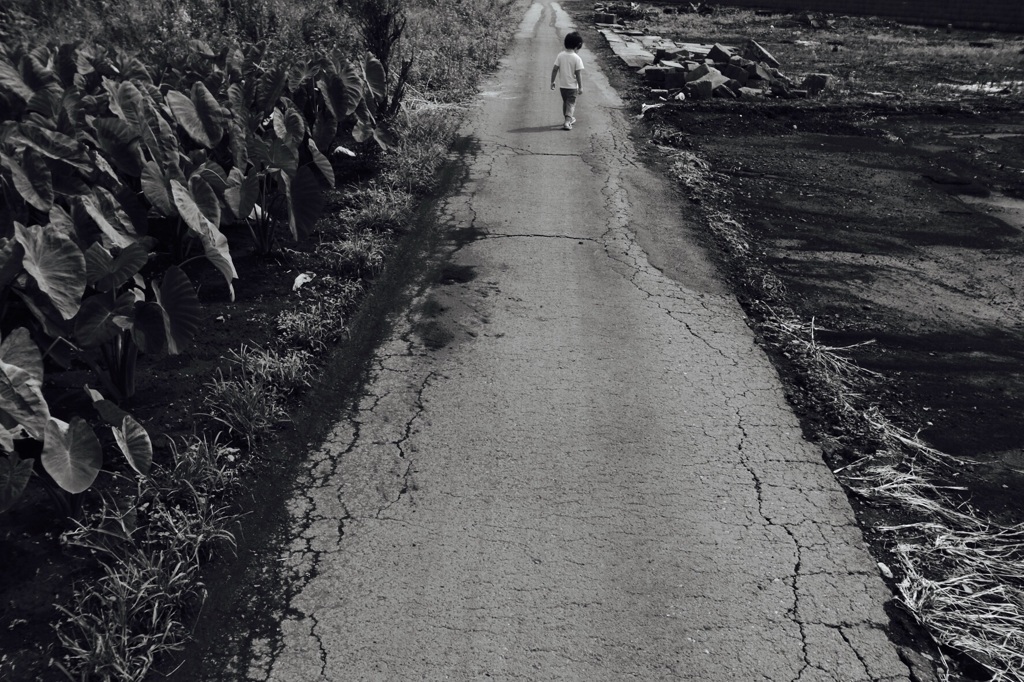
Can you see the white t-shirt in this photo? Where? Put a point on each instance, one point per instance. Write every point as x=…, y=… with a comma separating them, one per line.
x=568, y=63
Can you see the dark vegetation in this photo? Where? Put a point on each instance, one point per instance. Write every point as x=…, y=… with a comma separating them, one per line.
x=194, y=197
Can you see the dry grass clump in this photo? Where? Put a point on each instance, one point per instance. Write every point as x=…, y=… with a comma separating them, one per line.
x=977, y=605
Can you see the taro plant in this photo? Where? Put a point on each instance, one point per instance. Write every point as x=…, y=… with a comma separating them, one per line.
x=112, y=182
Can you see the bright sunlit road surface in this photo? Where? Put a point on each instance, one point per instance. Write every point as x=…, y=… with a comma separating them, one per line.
x=589, y=470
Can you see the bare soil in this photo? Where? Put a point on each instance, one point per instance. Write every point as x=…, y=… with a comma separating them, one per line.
x=889, y=210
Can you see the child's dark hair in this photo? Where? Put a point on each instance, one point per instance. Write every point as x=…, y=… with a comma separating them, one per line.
x=573, y=41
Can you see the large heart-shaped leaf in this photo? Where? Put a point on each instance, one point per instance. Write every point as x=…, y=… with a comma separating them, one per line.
x=47, y=102
x=149, y=328
x=211, y=114
x=55, y=145
x=120, y=142
x=289, y=125
x=111, y=235
x=14, y=476
x=269, y=87
x=205, y=198
x=157, y=189
x=33, y=181
x=325, y=128
x=21, y=399
x=284, y=156
x=20, y=350
x=215, y=244
x=60, y=220
x=72, y=454
x=321, y=163
x=35, y=69
x=187, y=117
x=182, y=311
x=134, y=443
x=305, y=201
x=132, y=104
x=384, y=137
x=101, y=319
x=107, y=272
x=376, y=78
x=107, y=409
x=164, y=147
x=242, y=193
x=56, y=264
x=12, y=82
x=351, y=82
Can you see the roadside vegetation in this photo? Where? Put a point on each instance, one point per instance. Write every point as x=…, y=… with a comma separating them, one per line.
x=154, y=157
x=959, y=573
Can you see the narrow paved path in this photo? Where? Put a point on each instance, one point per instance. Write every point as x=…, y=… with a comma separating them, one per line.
x=588, y=470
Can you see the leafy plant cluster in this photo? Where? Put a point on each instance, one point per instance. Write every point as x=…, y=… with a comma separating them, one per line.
x=114, y=184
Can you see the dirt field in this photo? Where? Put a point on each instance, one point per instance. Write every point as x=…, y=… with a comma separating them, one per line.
x=891, y=209
x=885, y=214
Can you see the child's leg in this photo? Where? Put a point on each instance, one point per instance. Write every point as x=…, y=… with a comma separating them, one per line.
x=568, y=102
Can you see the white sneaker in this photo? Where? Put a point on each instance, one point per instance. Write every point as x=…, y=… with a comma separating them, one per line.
x=567, y=126
x=572, y=121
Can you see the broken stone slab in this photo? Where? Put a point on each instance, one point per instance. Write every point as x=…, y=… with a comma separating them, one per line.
x=700, y=90
x=696, y=50
x=815, y=83
x=759, y=71
x=724, y=91
x=720, y=53
x=754, y=52
x=651, y=41
x=654, y=75
x=605, y=18
x=699, y=72
x=675, y=79
x=741, y=62
x=633, y=54
x=669, y=64
x=669, y=53
x=750, y=93
x=611, y=36
x=779, y=76
x=736, y=73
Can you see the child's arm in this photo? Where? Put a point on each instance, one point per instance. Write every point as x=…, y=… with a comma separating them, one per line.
x=579, y=82
x=554, y=72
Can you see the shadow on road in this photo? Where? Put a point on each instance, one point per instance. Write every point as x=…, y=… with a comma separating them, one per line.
x=536, y=129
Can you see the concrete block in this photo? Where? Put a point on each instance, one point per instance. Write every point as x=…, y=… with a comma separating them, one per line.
x=754, y=52
x=604, y=18
x=779, y=76
x=741, y=62
x=700, y=90
x=699, y=72
x=671, y=64
x=736, y=73
x=724, y=91
x=654, y=75
x=759, y=71
x=675, y=79
x=750, y=93
x=815, y=83
x=720, y=53
x=779, y=89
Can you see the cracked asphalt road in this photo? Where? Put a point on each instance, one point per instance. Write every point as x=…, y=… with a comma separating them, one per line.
x=571, y=461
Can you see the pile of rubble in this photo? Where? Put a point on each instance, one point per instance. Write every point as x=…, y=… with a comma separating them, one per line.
x=702, y=71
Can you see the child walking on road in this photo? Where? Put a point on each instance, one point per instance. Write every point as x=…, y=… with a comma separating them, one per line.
x=566, y=76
